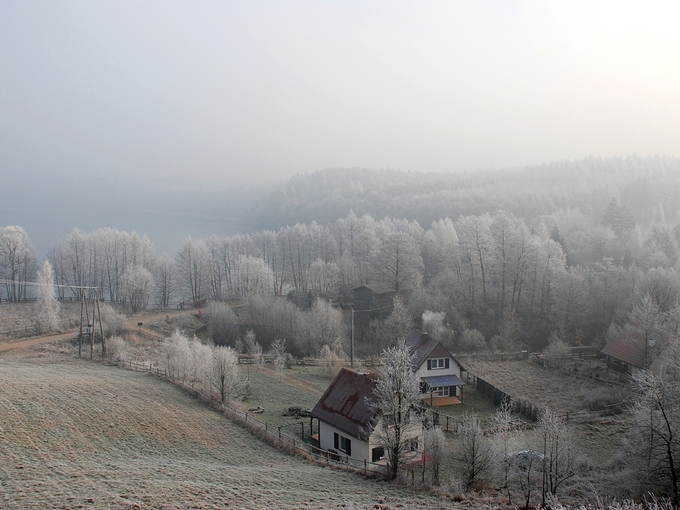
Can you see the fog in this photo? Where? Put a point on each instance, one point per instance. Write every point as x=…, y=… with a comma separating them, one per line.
x=225, y=93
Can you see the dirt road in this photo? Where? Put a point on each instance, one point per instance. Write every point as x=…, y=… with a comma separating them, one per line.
x=129, y=324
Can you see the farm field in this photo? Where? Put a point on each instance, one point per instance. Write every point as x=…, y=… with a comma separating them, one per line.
x=74, y=434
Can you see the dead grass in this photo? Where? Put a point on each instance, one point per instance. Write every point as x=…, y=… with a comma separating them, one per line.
x=598, y=437
x=74, y=434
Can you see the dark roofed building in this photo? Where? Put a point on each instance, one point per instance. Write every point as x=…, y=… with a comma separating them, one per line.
x=347, y=419
x=345, y=404
x=635, y=349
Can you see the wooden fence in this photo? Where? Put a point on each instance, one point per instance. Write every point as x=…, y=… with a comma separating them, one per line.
x=272, y=434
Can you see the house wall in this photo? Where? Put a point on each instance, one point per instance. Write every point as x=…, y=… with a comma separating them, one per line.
x=454, y=368
x=360, y=449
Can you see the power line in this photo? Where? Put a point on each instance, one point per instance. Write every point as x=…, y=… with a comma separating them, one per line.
x=15, y=282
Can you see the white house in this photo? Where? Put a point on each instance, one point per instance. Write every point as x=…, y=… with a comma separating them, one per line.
x=437, y=370
x=347, y=420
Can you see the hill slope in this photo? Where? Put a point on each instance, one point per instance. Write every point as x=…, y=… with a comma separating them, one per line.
x=76, y=434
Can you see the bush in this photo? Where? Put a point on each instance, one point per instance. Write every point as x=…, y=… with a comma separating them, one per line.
x=116, y=348
x=608, y=401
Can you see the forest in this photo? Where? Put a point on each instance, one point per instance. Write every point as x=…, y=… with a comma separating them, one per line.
x=502, y=259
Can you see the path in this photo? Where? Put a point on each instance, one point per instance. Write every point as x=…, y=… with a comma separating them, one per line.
x=129, y=324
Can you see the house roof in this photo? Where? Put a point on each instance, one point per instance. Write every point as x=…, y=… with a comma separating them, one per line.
x=443, y=380
x=629, y=346
x=421, y=346
x=376, y=288
x=346, y=404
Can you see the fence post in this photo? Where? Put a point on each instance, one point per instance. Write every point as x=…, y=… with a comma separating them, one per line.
x=364, y=467
x=447, y=423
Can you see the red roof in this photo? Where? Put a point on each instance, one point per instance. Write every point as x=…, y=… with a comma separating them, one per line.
x=629, y=346
x=346, y=404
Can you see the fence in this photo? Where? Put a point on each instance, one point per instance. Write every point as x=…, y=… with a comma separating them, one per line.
x=271, y=434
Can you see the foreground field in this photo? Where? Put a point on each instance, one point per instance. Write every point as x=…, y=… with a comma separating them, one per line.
x=74, y=434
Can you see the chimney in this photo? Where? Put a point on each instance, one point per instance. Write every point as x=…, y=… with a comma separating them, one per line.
x=424, y=337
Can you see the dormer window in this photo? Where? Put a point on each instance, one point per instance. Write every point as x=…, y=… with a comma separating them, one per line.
x=437, y=363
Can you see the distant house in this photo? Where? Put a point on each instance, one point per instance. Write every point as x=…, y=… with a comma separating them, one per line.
x=635, y=349
x=347, y=420
x=437, y=370
x=372, y=297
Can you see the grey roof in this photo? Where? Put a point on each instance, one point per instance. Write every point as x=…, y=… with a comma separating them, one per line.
x=421, y=346
x=443, y=380
x=345, y=404
x=376, y=288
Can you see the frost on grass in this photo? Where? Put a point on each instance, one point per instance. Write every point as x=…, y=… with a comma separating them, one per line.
x=76, y=434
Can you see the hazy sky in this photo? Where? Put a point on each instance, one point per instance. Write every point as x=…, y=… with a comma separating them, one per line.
x=257, y=90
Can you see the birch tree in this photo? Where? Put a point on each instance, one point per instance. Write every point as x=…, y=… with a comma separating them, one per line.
x=395, y=394
x=224, y=375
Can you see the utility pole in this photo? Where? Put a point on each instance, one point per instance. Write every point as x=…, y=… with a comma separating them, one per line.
x=351, y=345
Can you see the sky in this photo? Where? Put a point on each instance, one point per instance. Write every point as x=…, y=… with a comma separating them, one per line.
x=158, y=115
x=238, y=92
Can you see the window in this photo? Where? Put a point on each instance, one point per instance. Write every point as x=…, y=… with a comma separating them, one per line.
x=342, y=443
x=412, y=445
x=440, y=391
x=437, y=363
x=377, y=454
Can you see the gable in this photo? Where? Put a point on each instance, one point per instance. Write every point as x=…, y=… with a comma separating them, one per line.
x=346, y=406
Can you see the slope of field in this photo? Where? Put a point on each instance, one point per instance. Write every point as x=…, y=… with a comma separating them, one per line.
x=74, y=434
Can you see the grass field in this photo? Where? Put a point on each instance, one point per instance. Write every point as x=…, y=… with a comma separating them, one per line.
x=599, y=438
x=76, y=434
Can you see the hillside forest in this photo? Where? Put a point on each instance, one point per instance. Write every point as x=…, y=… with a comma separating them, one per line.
x=499, y=260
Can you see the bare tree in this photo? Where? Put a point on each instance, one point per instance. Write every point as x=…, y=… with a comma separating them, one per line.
x=558, y=452
x=657, y=410
x=434, y=440
x=395, y=395
x=472, y=451
x=165, y=278
x=398, y=263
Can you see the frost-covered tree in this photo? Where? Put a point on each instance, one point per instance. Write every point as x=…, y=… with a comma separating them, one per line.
x=255, y=277
x=48, y=305
x=193, y=267
x=138, y=287
x=398, y=263
x=223, y=325
x=165, y=280
x=434, y=443
x=177, y=354
x=399, y=322
x=225, y=377
x=322, y=325
x=18, y=264
x=559, y=455
x=395, y=395
x=332, y=358
x=472, y=450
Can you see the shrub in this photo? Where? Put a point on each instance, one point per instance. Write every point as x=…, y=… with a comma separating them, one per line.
x=116, y=348
x=608, y=401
